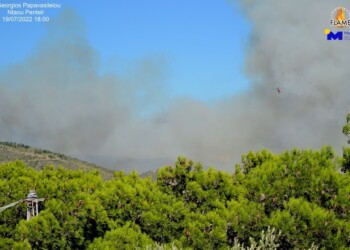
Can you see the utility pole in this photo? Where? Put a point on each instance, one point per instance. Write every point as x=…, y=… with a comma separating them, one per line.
x=32, y=203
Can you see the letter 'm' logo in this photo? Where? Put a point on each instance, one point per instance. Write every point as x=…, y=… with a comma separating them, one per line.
x=335, y=36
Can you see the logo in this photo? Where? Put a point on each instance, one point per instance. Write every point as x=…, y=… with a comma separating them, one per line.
x=339, y=22
x=340, y=17
x=339, y=35
x=333, y=36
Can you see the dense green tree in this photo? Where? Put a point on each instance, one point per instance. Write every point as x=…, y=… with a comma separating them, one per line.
x=302, y=193
x=346, y=127
x=126, y=237
x=41, y=232
x=252, y=160
x=303, y=223
x=245, y=220
x=16, y=180
x=345, y=161
x=173, y=180
x=346, y=150
x=205, y=231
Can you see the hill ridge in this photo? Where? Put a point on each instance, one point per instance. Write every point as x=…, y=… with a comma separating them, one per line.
x=39, y=158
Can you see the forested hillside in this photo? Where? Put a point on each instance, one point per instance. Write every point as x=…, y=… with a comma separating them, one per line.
x=39, y=158
x=301, y=194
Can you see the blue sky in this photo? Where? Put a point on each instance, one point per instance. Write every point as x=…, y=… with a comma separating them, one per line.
x=202, y=43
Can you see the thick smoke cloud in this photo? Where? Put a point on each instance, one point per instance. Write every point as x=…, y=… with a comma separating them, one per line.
x=57, y=99
x=289, y=49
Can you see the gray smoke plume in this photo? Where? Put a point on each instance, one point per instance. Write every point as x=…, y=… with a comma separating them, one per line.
x=57, y=99
x=289, y=49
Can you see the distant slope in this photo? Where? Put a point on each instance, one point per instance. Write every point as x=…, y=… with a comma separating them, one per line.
x=152, y=174
x=39, y=158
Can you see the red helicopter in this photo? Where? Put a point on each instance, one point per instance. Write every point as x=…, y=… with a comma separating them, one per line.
x=278, y=89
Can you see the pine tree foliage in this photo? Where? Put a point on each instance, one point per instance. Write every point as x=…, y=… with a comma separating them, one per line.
x=297, y=199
